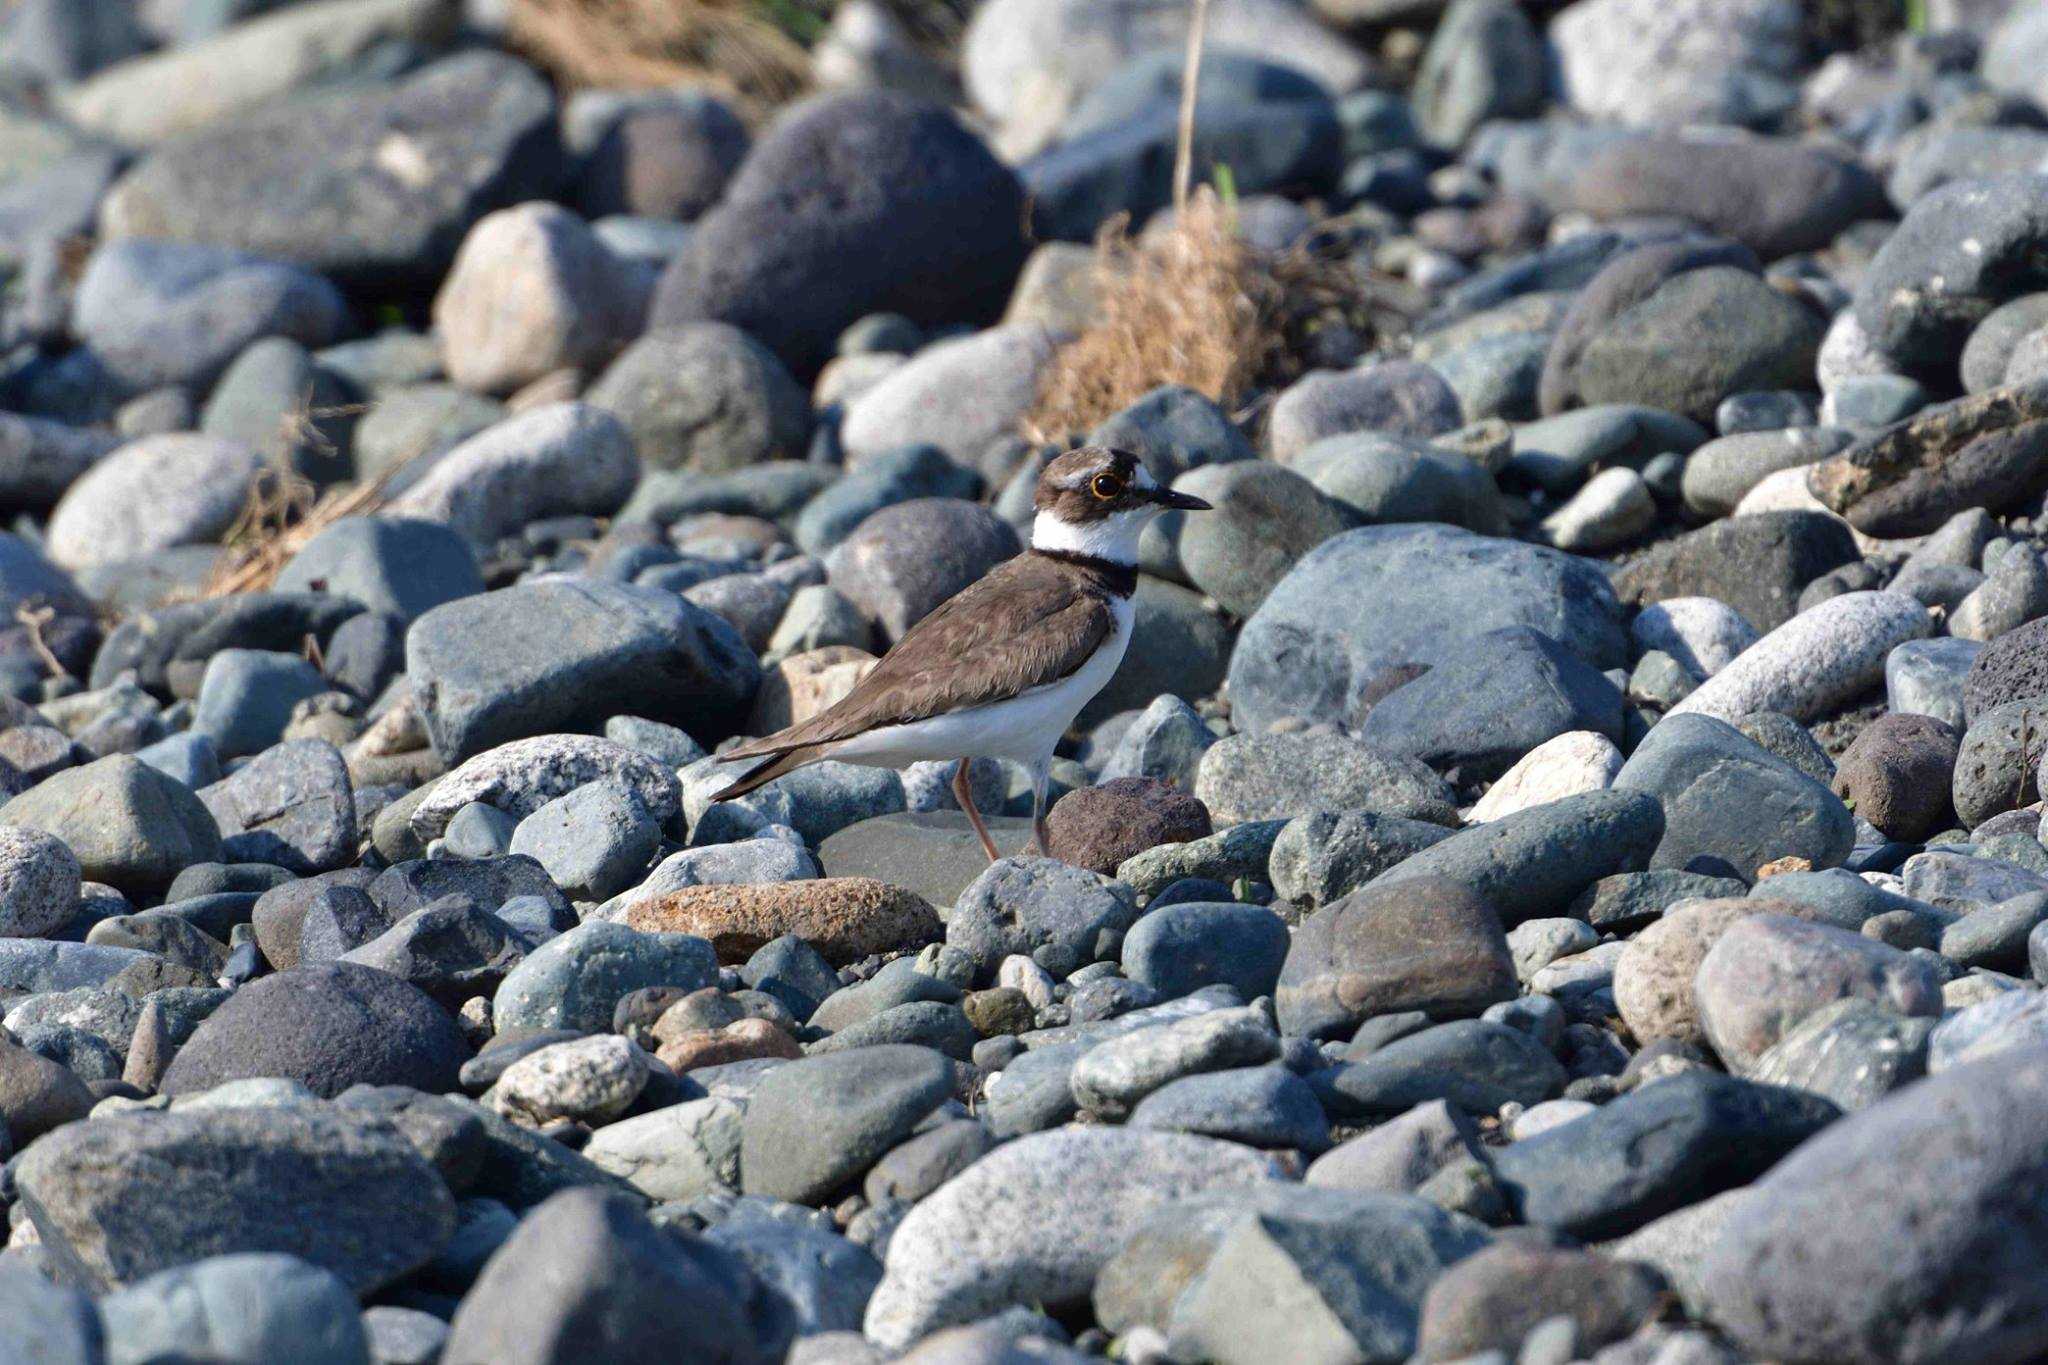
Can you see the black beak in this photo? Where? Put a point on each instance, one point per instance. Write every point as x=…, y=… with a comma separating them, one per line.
x=1183, y=502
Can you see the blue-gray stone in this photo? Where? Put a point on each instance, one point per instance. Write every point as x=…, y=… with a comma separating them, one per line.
x=1925, y=677
x=328, y=1027
x=252, y=1306
x=1369, y=599
x=395, y=565
x=2008, y=1021
x=820, y=800
x=1061, y=917
x=1660, y=1148
x=452, y=949
x=1035, y=1092
x=1949, y=1217
x=548, y=657
x=1320, y=857
x=1481, y=711
x=478, y=831
x=1839, y=897
x=793, y=972
x=336, y=922
x=1852, y=1052
x=593, y=842
x=128, y=824
x=826, y=1278
x=1386, y=477
x=48, y=1324
x=29, y=580
x=1126, y=166
x=673, y=747
x=1535, y=863
x=1730, y=805
x=1179, y=949
x=1166, y=741
x=913, y=471
x=1959, y=882
x=1262, y=1106
x=29, y=965
x=247, y=695
x=291, y=806
x=189, y=759
x=1475, y=1065
x=1174, y=429
x=576, y=980
x=588, y=1266
x=159, y=312
x=813, y=1127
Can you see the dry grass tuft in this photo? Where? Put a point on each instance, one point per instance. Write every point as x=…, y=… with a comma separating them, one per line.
x=284, y=510
x=728, y=45
x=1196, y=305
x=276, y=522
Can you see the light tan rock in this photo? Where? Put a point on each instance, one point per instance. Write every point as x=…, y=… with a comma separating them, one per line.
x=1568, y=765
x=804, y=684
x=532, y=292
x=1653, y=978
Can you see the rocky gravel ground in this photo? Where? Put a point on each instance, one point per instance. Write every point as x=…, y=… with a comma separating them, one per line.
x=1558, y=876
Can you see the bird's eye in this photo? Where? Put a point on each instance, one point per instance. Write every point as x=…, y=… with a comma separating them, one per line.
x=1106, y=486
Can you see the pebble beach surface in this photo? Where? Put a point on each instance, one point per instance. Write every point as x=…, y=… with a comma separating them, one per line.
x=1557, y=877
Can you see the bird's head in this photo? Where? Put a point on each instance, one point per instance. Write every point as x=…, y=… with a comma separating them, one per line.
x=1094, y=501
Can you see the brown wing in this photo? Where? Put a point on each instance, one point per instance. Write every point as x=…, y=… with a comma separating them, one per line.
x=1027, y=624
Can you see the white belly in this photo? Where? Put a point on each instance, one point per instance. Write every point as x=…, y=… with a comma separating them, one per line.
x=1024, y=728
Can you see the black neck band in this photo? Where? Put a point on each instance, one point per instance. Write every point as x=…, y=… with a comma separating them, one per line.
x=1121, y=579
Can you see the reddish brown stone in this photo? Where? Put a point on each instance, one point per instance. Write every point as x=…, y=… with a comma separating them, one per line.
x=1100, y=827
x=845, y=918
x=743, y=1041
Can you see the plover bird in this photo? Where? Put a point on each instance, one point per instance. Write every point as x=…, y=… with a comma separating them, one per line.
x=1001, y=669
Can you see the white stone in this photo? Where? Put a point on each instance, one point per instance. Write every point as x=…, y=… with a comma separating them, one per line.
x=524, y=775
x=1112, y=1077
x=1787, y=491
x=1021, y=973
x=1781, y=490
x=1536, y=943
x=1703, y=633
x=533, y=291
x=845, y=378
x=39, y=883
x=1814, y=662
x=558, y=460
x=1570, y=764
x=1026, y=63
x=1546, y=1116
x=193, y=85
x=684, y=1151
x=591, y=1080
x=1656, y=62
x=1846, y=352
x=1036, y=1220
x=1592, y=970
x=961, y=395
x=152, y=494
x=1612, y=509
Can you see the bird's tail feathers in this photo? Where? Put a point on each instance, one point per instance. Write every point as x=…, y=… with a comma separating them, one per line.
x=765, y=771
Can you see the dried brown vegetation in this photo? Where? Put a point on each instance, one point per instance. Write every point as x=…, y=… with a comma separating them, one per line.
x=1195, y=304
x=728, y=45
x=284, y=510
x=282, y=514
